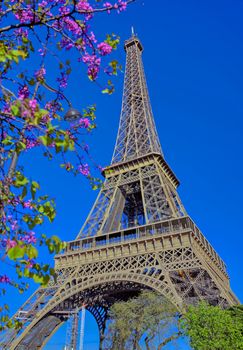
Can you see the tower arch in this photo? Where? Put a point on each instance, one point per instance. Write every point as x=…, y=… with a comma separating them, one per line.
x=100, y=292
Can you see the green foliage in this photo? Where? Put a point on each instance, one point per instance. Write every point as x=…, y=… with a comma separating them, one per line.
x=113, y=40
x=109, y=89
x=7, y=54
x=212, y=328
x=141, y=318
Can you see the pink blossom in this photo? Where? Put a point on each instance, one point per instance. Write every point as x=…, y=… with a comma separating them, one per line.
x=15, y=201
x=14, y=225
x=84, y=122
x=64, y=10
x=122, y=5
x=104, y=48
x=43, y=4
x=108, y=5
x=10, y=243
x=33, y=104
x=48, y=105
x=23, y=92
x=31, y=143
x=84, y=6
x=25, y=15
x=92, y=37
x=63, y=80
x=46, y=119
x=40, y=73
x=29, y=237
x=4, y=279
x=28, y=204
x=72, y=26
x=21, y=32
x=6, y=108
x=30, y=263
x=84, y=169
x=42, y=52
x=93, y=63
x=66, y=43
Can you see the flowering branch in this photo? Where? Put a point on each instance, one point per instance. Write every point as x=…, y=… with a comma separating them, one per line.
x=33, y=34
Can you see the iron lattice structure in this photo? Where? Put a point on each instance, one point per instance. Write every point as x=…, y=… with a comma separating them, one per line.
x=137, y=235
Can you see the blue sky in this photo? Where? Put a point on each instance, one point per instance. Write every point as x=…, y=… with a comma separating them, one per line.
x=192, y=56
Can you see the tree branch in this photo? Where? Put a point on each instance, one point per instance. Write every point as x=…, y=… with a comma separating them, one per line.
x=169, y=339
x=58, y=17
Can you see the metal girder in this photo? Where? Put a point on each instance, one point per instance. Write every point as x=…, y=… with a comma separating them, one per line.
x=140, y=194
x=137, y=134
x=137, y=235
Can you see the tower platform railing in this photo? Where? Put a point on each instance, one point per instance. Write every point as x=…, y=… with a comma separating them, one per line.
x=165, y=227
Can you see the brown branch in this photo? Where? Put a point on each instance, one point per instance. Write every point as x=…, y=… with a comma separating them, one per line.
x=169, y=339
x=58, y=17
x=147, y=340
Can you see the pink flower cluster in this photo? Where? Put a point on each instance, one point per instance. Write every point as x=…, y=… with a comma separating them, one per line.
x=72, y=26
x=4, y=279
x=119, y=6
x=43, y=4
x=64, y=10
x=63, y=80
x=93, y=63
x=84, y=169
x=122, y=5
x=40, y=73
x=23, y=92
x=84, y=6
x=28, y=204
x=84, y=122
x=10, y=243
x=30, y=263
x=25, y=15
x=29, y=237
x=104, y=48
x=33, y=105
x=21, y=33
x=31, y=143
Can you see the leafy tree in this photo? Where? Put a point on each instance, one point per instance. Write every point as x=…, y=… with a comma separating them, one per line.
x=212, y=328
x=39, y=41
x=140, y=320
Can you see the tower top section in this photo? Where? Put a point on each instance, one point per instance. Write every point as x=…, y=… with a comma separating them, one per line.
x=133, y=41
x=137, y=135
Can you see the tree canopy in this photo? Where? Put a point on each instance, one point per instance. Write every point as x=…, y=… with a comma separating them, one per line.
x=149, y=321
x=34, y=75
x=213, y=328
x=140, y=320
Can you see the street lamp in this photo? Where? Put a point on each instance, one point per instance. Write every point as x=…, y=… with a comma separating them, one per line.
x=72, y=114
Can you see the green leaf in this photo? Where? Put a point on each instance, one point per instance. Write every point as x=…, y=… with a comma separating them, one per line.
x=16, y=252
x=31, y=252
x=31, y=82
x=24, y=193
x=35, y=184
x=20, y=180
x=46, y=140
x=25, y=40
x=15, y=110
x=7, y=141
x=43, y=280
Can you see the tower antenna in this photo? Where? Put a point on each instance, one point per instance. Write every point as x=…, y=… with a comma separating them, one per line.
x=132, y=28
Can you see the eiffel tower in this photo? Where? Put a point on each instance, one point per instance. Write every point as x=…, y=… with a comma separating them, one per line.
x=137, y=236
